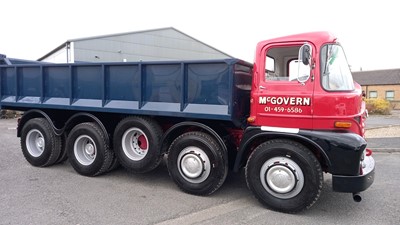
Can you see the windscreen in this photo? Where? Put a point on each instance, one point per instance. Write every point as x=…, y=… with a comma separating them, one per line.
x=335, y=71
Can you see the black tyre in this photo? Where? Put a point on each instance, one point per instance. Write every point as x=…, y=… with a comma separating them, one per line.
x=114, y=163
x=63, y=154
x=284, y=175
x=197, y=164
x=137, y=144
x=39, y=144
x=87, y=149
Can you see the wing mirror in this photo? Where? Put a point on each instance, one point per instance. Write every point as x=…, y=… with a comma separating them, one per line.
x=305, y=54
x=305, y=63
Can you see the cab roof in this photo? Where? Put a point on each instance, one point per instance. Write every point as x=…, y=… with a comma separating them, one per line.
x=317, y=38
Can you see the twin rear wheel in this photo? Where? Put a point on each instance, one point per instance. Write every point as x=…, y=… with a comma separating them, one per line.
x=196, y=162
x=86, y=147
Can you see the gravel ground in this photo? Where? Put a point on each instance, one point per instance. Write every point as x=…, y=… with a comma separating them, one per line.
x=384, y=126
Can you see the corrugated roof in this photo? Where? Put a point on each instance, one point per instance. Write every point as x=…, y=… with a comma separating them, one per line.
x=377, y=77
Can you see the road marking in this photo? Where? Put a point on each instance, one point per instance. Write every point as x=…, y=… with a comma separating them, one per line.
x=209, y=213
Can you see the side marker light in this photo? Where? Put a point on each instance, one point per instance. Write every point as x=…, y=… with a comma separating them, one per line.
x=342, y=124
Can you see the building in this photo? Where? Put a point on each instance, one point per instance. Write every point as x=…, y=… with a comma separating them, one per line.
x=150, y=45
x=383, y=84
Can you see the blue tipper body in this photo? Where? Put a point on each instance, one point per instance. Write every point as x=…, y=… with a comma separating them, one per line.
x=216, y=89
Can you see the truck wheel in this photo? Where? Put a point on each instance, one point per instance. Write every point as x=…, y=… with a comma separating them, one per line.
x=284, y=175
x=137, y=144
x=39, y=144
x=87, y=149
x=197, y=164
x=114, y=163
x=63, y=154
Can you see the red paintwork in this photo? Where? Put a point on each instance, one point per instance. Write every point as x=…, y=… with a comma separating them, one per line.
x=325, y=107
x=142, y=142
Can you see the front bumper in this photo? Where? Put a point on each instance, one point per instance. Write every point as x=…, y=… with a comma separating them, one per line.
x=353, y=184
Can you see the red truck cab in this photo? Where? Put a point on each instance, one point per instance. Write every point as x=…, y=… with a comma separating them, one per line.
x=304, y=104
x=323, y=97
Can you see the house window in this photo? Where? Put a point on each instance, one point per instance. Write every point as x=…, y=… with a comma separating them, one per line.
x=389, y=95
x=373, y=94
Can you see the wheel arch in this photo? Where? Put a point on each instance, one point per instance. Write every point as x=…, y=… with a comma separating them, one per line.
x=252, y=139
x=35, y=113
x=83, y=117
x=72, y=121
x=173, y=132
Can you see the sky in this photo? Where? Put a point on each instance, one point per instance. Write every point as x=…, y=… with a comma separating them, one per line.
x=367, y=29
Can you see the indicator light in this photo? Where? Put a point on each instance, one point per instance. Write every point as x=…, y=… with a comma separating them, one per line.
x=251, y=119
x=342, y=124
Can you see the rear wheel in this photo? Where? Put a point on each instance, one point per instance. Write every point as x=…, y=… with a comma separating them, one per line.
x=87, y=149
x=197, y=164
x=63, y=154
x=137, y=144
x=40, y=145
x=284, y=175
x=114, y=163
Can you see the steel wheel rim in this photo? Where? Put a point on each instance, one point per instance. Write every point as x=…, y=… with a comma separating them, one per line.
x=135, y=144
x=282, y=177
x=85, y=150
x=194, y=164
x=35, y=143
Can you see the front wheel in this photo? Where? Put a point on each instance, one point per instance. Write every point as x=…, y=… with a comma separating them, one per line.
x=284, y=175
x=197, y=164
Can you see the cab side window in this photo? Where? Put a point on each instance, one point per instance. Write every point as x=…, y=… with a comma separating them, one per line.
x=281, y=63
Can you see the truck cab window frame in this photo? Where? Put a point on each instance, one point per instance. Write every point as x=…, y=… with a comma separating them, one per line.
x=335, y=71
x=278, y=63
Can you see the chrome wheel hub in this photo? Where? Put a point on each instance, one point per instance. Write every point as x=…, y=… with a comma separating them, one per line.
x=282, y=177
x=135, y=144
x=85, y=150
x=194, y=164
x=35, y=143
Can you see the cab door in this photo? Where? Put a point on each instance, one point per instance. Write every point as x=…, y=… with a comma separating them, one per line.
x=283, y=97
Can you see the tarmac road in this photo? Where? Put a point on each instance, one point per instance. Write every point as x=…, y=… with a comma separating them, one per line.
x=58, y=195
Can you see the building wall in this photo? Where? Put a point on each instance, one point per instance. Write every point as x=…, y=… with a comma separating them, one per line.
x=159, y=45
x=381, y=92
x=153, y=45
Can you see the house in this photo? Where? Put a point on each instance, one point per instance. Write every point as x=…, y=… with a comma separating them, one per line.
x=383, y=84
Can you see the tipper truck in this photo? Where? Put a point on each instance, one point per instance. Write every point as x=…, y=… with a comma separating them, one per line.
x=293, y=115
